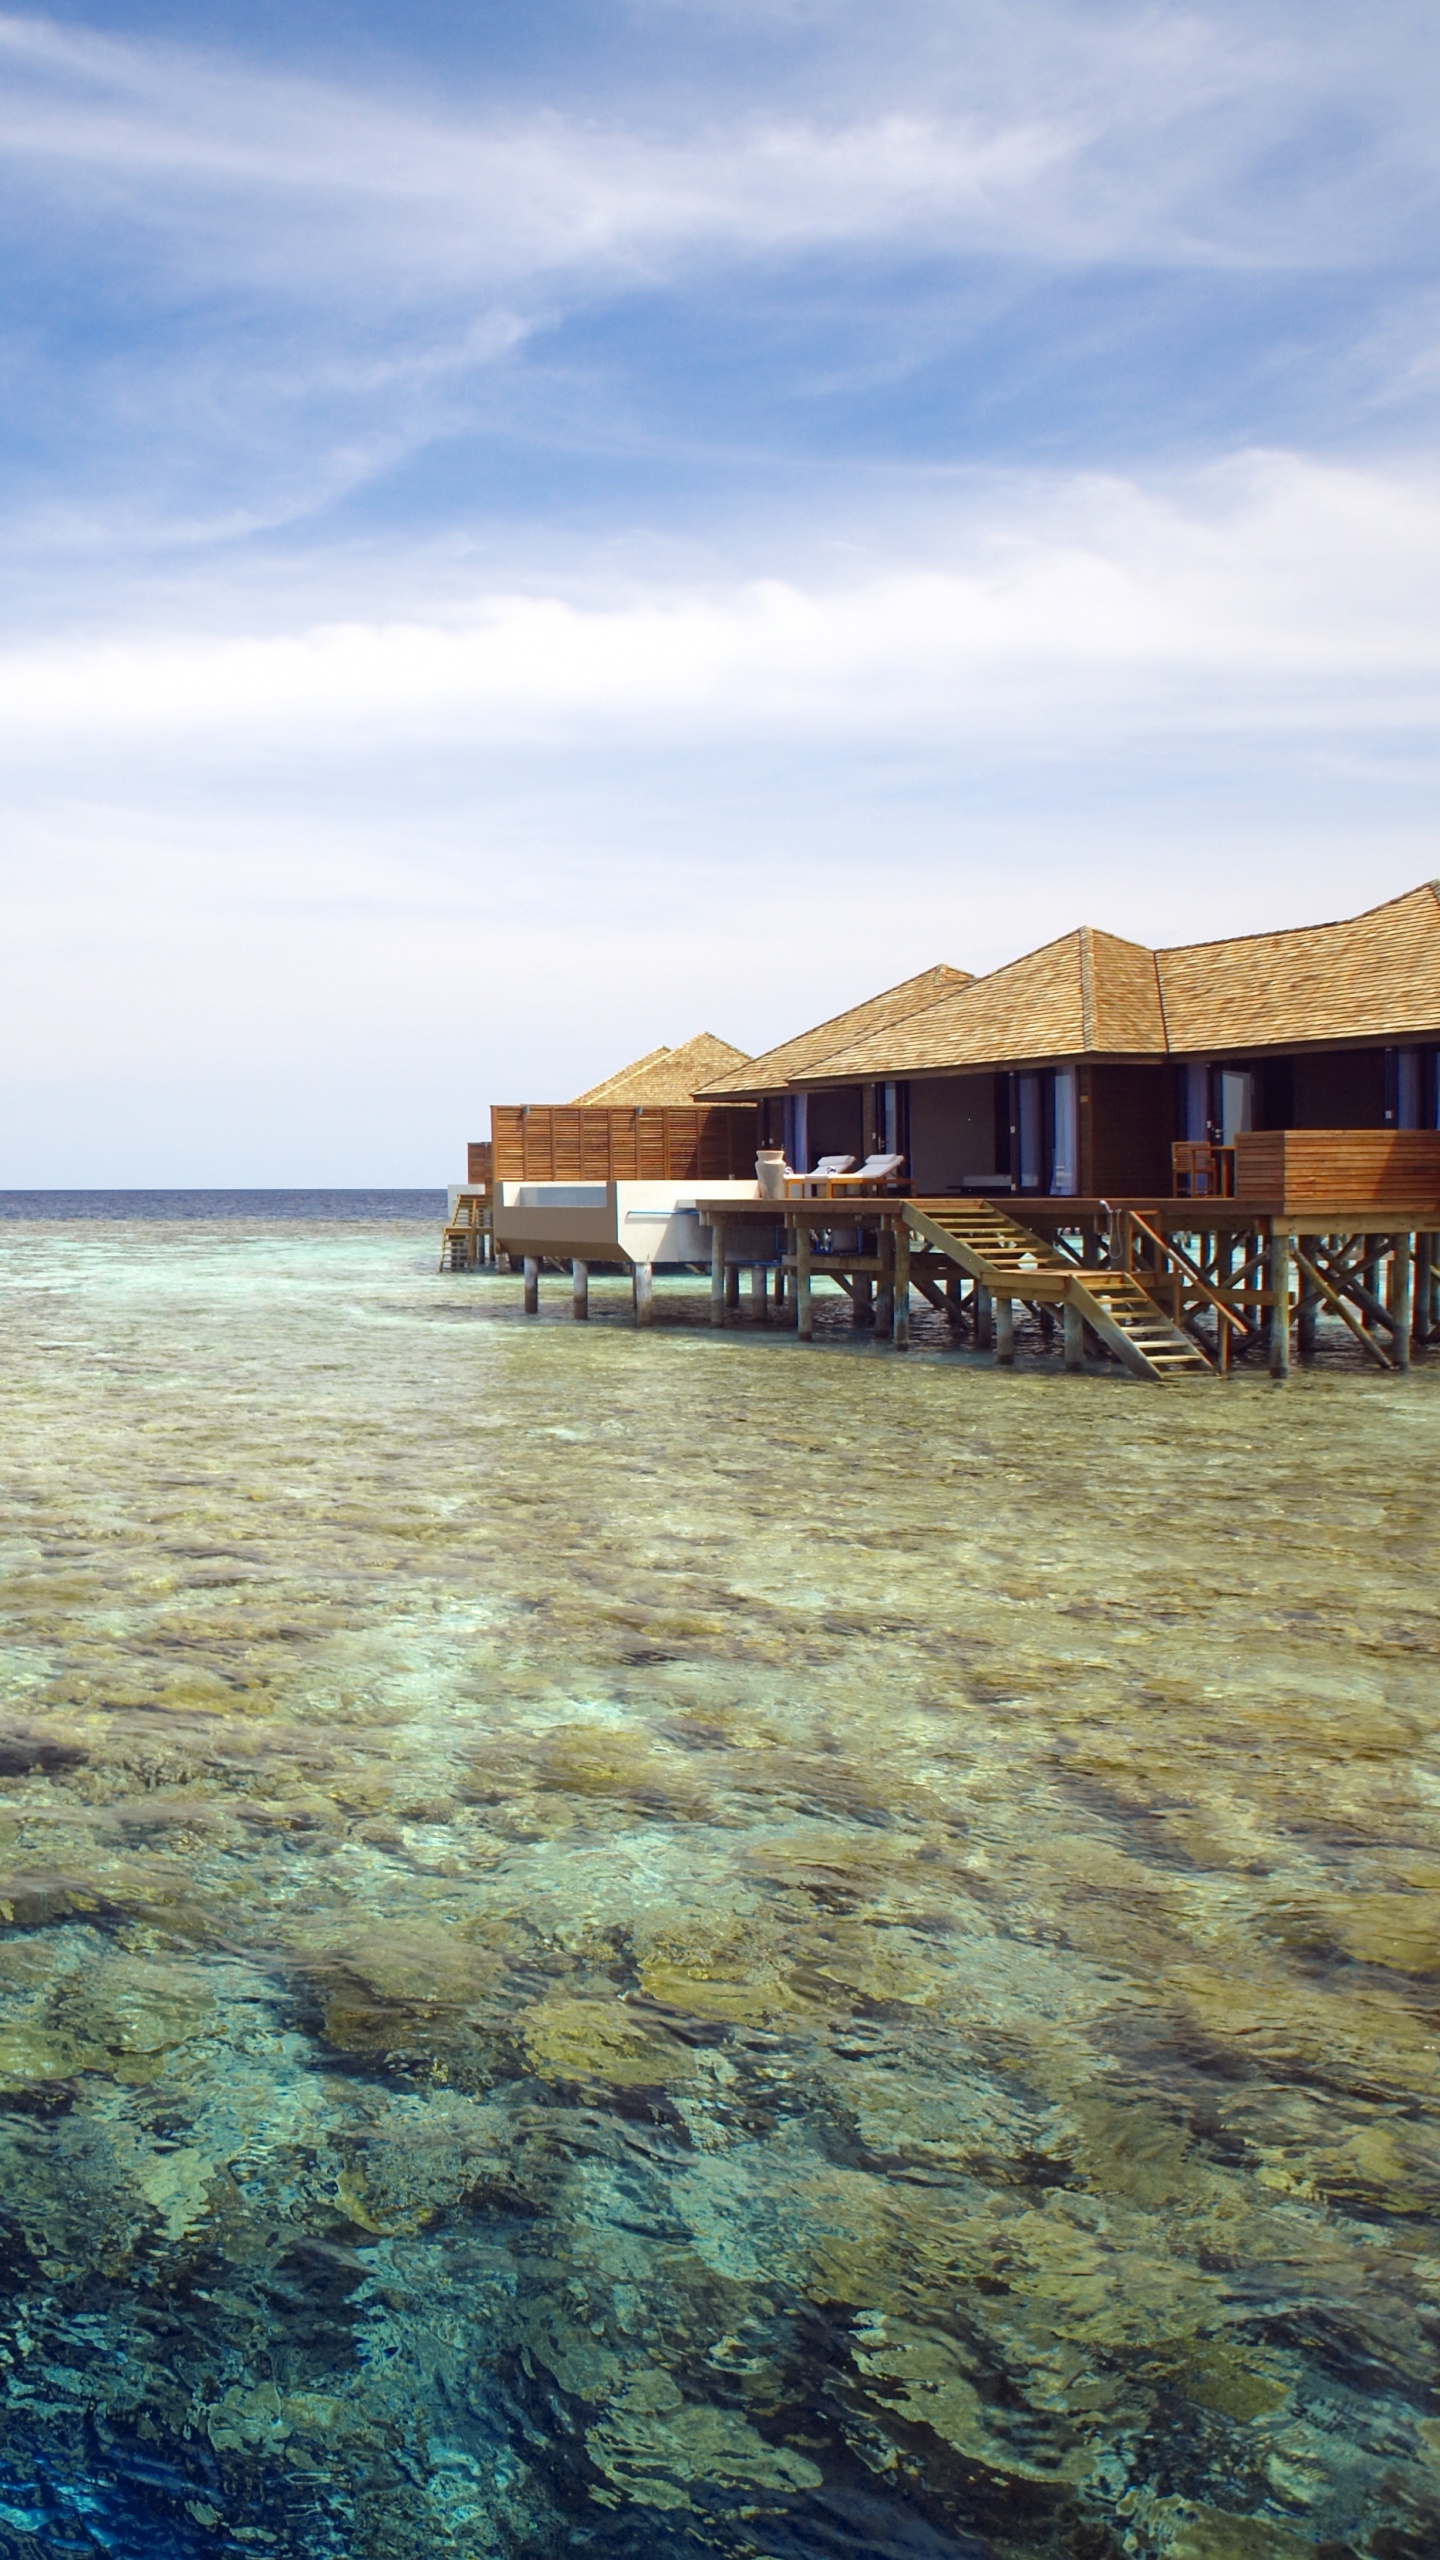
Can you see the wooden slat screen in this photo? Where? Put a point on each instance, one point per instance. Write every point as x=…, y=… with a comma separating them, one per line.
x=585, y=1142
x=478, y=1159
x=1379, y=1166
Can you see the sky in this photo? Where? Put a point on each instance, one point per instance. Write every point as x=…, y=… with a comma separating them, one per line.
x=530, y=531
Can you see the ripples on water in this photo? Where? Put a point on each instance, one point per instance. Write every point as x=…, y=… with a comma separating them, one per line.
x=667, y=1945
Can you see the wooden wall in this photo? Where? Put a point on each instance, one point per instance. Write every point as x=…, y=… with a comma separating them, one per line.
x=585, y=1142
x=1126, y=1122
x=1294, y=1168
x=479, y=1157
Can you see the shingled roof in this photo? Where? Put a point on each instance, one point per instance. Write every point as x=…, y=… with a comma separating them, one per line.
x=795, y=1059
x=1374, y=976
x=1089, y=992
x=668, y=1075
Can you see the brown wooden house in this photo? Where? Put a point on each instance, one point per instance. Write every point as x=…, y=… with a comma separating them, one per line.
x=1072, y=1071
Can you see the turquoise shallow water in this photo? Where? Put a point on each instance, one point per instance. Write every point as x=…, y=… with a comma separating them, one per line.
x=668, y=1945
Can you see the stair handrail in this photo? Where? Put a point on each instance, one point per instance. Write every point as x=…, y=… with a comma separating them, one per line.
x=1176, y=1253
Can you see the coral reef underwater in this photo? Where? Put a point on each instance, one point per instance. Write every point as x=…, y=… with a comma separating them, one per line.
x=658, y=1946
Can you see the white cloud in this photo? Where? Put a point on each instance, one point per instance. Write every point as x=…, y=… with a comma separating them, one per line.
x=313, y=846
x=1060, y=133
x=1270, y=592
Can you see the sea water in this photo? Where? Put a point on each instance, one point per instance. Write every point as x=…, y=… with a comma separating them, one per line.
x=666, y=1944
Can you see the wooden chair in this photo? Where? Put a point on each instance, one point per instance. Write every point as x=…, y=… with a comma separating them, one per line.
x=1201, y=1170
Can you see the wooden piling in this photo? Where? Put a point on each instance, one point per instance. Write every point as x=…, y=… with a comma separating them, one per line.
x=717, y=1272
x=1423, y=1315
x=885, y=1296
x=1005, y=1332
x=532, y=1285
x=900, y=1328
x=579, y=1290
x=1280, y=1293
x=644, y=1284
x=804, y=1310
x=1402, y=1302
x=1074, y=1336
x=1307, y=1315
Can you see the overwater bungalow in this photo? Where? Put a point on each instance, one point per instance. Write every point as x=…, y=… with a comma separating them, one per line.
x=1178, y=1157
x=1076, y=1070
x=641, y=1124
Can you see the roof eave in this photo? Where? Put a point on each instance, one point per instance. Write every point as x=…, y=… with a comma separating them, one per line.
x=989, y=1067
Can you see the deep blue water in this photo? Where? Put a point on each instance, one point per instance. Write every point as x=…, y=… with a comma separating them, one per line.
x=366, y=1206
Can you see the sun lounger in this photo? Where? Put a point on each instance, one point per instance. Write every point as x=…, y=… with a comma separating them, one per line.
x=877, y=1173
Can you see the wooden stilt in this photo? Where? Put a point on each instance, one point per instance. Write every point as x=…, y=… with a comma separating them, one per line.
x=1280, y=1285
x=644, y=1293
x=1074, y=1337
x=732, y=1288
x=862, y=1304
x=1306, y=1324
x=885, y=1306
x=900, y=1328
x=757, y=1292
x=532, y=1285
x=984, y=1319
x=1005, y=1332
x=804, y=1311
x=954, y=1301
x=579, y=1290
x=1424, y=1290
x=717, y=1272
x=1402, y=1306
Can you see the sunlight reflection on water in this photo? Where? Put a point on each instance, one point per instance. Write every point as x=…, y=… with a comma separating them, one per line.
x=648, y=1945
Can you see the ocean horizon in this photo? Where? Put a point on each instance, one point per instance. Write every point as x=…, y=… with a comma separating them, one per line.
x=304, y=1201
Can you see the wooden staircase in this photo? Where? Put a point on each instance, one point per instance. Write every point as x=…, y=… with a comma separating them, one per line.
x=1126, y=1317
x=465, y=1240
x=1005, y=1258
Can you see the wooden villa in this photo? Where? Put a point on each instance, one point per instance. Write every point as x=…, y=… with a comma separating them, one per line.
x=1074, y=1071
x=1181, y=1156
x=641, y=1125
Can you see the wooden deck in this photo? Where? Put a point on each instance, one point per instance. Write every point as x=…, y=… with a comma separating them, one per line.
x=1167, y=1287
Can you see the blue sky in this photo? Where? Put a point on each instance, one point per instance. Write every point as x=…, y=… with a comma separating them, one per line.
x=531, y=531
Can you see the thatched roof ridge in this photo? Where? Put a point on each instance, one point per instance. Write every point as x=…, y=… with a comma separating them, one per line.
x=1375, y=976
x=1088, y=992
x=789, y=1064
x=1371, y=977
x=672, y=1076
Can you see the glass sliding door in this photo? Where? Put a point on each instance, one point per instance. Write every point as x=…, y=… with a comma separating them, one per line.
x=1030, y=1132
x=1065, y=1137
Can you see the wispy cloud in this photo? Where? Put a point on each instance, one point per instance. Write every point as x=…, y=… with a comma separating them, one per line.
x=1086, y=135
x=1268, y=592
x=515, y=530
